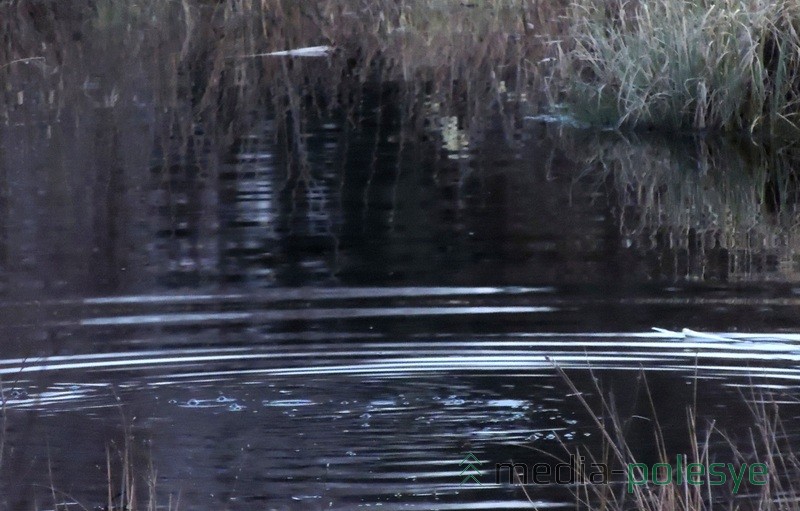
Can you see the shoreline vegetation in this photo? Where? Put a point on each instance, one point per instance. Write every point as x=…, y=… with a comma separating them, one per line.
x=687, y=65
x=729, y=66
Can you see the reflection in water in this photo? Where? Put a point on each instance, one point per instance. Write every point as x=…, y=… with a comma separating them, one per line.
x=315, y=283
x=702, y=209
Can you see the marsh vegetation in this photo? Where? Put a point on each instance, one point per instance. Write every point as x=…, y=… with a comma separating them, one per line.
x=683, y=65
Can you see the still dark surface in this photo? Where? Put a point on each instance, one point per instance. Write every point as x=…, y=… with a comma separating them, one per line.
x=330, y=314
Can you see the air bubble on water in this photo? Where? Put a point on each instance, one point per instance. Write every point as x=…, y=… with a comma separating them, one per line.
x=234, y=407
x=193, y=402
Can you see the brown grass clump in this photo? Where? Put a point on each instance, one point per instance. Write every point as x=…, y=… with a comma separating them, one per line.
x=732, y=65
x=768, y=443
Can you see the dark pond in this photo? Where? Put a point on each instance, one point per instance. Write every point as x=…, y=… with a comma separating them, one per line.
x=331, y=310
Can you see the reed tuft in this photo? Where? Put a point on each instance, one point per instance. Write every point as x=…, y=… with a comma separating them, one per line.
x=729, y=65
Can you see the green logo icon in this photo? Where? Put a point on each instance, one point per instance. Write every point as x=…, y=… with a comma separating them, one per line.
x=471, y=471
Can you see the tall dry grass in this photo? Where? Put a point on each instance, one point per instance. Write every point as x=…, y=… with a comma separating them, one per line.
x=191, y=66
x=768, y=443
x=731, y=65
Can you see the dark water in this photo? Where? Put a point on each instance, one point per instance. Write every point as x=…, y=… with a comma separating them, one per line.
x=342, y=343
x=334, y=319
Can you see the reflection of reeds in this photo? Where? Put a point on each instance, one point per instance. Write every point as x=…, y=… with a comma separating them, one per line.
x=699, y=197
x=189, y=63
